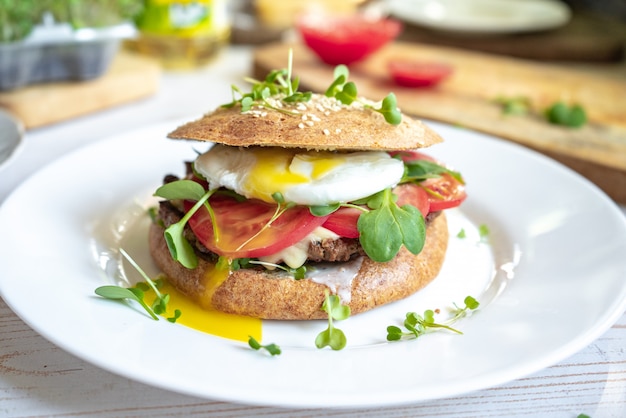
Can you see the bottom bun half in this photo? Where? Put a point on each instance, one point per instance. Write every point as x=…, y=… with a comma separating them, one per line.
x=270, y=295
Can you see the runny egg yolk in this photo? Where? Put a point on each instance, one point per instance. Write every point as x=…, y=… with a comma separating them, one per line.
x=199, y=315
x=279, y=170
x=300, y=176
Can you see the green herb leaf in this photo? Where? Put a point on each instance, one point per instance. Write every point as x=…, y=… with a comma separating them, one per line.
x=518, y=105
x=180, y=249
x=389, y=109
x=420, y=170
x=181, y=190
x=333, y=337
x=348, y=93
x=177, y=314
x=384, y=229
x=323, y=210
x=561, y=114
x=483, y=232
x=272, y=349
x=417, y=325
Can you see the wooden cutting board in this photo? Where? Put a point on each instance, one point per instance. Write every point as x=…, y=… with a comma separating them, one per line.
x=596, y=150
x=129, y=77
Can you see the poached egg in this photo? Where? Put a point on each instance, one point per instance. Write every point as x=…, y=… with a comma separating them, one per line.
x=313, y=178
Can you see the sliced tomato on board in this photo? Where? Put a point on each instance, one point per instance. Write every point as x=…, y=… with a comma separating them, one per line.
x=242, y=227
x=415, y=73
x=345, y=39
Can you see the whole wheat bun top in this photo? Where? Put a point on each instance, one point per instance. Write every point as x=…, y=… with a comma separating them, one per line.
x=323, y=123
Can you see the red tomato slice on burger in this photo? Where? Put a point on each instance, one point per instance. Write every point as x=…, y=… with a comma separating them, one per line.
x=411, y=155
x=343, y=222
x=242, y=227
x=443, y=192
x=345, y=39
x=413, y=194
x=412, y=73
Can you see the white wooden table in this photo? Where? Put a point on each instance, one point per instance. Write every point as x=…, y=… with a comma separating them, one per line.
x=38, y=379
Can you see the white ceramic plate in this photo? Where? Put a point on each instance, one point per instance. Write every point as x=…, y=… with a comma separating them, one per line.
x=550, y=281
x=11, y=137
x=482, y=16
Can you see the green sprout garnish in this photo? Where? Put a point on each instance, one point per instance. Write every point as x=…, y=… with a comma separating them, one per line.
x=278, y=84
x=417, y=325
x=483, y=232
x=346, y=92
x=386, y=227
x=137, y=293
x=518, y=105
x=272, y=349
x=180, y=248
x=331, y=336
x=571, y=116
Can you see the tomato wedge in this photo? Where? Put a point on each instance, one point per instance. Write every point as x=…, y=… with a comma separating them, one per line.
x=345, y=39
x=413, y=73
x=242, y=227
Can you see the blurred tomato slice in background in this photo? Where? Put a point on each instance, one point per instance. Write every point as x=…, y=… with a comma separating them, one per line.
x=416, y=73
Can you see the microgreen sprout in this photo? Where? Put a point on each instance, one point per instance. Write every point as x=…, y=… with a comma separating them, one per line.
x=346, y=92
x=483, y=232
x=517, y=105
x=386, y=227
x=417, y=325
x=239, y=263
x=331, y=336
x=180, y=248
x=419, y=170
x=571, y=116
x=276, y=83
x=272, y=349
x=137, y=293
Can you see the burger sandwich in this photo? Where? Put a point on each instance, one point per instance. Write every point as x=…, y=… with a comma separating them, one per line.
x=300, y=195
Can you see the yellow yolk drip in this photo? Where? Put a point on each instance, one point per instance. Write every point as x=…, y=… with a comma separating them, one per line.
x=274, y=172
x=202, y=317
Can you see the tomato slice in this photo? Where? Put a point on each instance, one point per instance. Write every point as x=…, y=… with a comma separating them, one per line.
x=343, y=222
x=242, y=227
x=345, y=39
x=415, y=195
x=443, y=192
x=411, y=155
x=412, y=73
